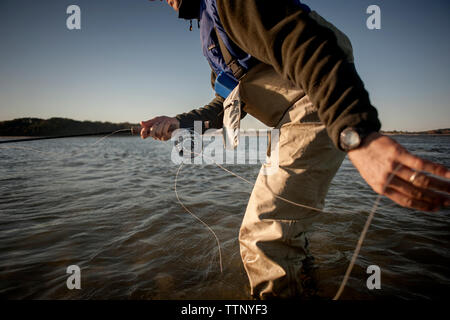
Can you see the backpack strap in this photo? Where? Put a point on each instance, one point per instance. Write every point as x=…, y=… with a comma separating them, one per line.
x=232, y=63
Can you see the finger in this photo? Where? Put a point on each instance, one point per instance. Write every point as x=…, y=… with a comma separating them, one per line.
x=151, y=131
x=149, y=123
x=408, y=202
x=158, y=129
x=414, y=192
x=145, y=132
x=420, y=164
x=165, y=135
x=423, y=180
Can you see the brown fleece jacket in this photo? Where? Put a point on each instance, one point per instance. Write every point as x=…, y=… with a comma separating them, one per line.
x=280, y=34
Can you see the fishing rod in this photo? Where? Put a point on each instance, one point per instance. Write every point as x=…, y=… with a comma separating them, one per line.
x=133, y=131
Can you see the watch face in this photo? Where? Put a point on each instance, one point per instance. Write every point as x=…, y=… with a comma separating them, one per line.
x=350, y=139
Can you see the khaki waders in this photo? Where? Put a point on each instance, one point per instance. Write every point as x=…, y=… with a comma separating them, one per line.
x=272, y=235
x=274, y=248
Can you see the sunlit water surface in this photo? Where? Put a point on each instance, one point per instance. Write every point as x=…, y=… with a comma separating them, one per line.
x=111, y=209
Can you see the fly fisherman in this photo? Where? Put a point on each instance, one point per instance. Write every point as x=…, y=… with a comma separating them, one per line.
x=296, y=73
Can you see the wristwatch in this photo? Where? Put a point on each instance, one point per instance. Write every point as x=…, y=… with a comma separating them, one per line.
x=351, y=138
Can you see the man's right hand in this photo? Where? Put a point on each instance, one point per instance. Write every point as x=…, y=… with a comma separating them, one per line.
x=159, y=128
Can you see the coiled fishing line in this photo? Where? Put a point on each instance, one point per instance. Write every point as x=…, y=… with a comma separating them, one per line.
x=360, y=240
x=193, y=154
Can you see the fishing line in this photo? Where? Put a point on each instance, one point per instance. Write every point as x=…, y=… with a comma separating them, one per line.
x=84, y=150
x=111, y=134
x=363, y=235
x=237, y=176
x=54, y=154
x=361, y=238
x=252, y=184
x=196, y=217
x=133, y=131
x=66, y=136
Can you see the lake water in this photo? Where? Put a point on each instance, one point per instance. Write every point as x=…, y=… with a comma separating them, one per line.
x=111, y=209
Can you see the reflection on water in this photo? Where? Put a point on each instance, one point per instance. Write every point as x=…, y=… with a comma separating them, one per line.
x=111, y=210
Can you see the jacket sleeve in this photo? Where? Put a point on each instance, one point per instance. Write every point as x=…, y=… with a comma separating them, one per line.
x=281, y=34
x=212, y=112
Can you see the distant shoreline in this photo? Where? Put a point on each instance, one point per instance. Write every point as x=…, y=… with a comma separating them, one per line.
x=388, y=133
x=415, y=134
x=35, y=127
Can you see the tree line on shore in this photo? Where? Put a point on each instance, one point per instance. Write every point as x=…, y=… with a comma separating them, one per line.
x=62, y=126
x=57, y=126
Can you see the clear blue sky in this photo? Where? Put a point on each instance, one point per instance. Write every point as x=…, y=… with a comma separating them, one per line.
x=133, y=59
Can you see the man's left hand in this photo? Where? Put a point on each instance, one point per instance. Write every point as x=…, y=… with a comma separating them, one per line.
x=378, y=157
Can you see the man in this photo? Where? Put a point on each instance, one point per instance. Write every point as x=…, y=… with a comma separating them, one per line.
x=296, y=73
